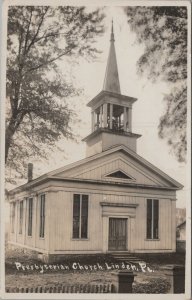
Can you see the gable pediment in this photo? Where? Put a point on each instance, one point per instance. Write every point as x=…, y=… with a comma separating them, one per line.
x=111, y=167
x=118, y=165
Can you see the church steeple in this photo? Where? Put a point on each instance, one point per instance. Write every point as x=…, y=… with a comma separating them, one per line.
x=111, y=112
x=111, y=81
x=112, y=33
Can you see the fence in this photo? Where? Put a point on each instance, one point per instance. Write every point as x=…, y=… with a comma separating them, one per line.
x=81, y=288
x=123, y=281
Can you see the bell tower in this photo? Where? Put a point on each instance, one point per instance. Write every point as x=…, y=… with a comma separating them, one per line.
x=111, y=112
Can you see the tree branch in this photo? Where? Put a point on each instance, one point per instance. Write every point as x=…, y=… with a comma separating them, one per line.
x=49, y=61
x=27, y=34
x=38, y=29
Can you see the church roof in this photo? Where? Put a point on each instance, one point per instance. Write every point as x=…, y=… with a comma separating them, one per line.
x=102, y=94
x=111, y=81
x=106, y=130
x=164, y=181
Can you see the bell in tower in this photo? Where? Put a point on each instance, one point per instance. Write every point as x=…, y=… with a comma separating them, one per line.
x=111, y=112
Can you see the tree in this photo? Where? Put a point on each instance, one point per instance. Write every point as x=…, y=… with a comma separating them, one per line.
x=38, y=114
x=163, y=32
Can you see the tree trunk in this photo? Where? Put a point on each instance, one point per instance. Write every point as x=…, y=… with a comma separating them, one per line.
x=12, y=127
x=8, y=138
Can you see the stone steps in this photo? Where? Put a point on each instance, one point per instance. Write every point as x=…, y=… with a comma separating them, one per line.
x=126, y=257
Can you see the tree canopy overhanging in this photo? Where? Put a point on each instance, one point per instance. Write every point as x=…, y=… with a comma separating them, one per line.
x=37, y=113
x=163, y=32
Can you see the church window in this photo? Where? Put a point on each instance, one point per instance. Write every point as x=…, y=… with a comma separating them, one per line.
x=152, y=219
x=20, y=217
x=13, y=217
x=119, y=174
x=30, y=216
x=42, y=217
x=80, y=216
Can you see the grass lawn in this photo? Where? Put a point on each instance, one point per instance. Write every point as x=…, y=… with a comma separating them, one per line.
x=22, y=275
x=163, y=258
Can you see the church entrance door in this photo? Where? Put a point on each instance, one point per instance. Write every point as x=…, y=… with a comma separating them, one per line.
x=117, y=234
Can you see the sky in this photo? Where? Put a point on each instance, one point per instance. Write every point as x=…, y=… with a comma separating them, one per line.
x=147, y=110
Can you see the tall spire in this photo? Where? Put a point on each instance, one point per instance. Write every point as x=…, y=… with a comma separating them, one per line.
x=111, y=81
x=112, y=33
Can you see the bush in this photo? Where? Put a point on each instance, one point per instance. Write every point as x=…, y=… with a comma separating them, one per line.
x=154, y=286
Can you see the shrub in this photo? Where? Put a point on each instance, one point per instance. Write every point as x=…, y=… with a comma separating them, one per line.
x=154, y=286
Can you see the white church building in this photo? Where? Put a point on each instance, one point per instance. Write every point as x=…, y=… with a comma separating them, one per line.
x=112, y=200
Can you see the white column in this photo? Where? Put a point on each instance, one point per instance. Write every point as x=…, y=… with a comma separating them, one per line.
x=105, y=115
x=105, y=233
x=101, y=114
x=130, y=118
x=92, y=121
x=131, y=233
x=111, y=116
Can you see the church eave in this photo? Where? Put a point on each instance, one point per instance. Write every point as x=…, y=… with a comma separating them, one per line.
x=117, y=204
x=106, y=182
x=110, y=131
x=99, y=96
x=28, y=186
x=46, y=177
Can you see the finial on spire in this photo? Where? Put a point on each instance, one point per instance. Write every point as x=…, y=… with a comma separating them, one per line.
x=112, y=33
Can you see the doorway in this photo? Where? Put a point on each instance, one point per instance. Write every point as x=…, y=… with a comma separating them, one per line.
x=117, y=234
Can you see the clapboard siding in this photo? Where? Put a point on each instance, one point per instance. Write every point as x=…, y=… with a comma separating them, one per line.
x=166, y=229
x=59, y=211
x=99, y=167
x=173, y=224
x=139, y=225
x=58, y=223
x=20, y=237
x=110, y=189
x=145, y=171
x=100, y=172
x=62, y=210
x=12, y=235
x=42, y=243
x=90, y=165
x=33, y=241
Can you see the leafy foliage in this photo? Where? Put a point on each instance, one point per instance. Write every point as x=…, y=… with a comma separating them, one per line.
x=38, y=113
x=163, y=32
x=154, y=286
